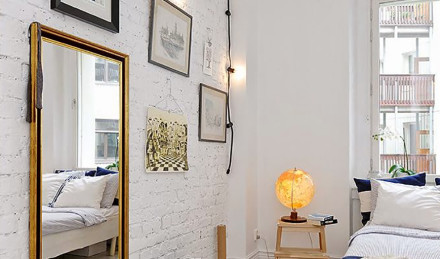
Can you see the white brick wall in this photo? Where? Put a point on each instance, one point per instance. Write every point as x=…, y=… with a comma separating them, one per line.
x=171, y=215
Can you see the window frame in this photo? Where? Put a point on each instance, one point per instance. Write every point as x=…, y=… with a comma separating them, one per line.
x=106, y=70
x=107, y=159
x=374, y=84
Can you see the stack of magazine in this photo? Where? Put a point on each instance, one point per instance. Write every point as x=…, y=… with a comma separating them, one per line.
x=320, y=219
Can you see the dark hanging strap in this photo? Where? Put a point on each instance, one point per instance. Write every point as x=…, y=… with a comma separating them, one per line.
x=39, y=77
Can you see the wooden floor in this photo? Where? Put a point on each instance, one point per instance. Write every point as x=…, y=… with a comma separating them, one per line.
x=99, y=256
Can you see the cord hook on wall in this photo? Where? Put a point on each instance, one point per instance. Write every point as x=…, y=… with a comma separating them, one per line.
x=230, y=70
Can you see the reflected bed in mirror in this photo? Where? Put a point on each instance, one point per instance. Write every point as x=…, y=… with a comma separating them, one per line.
x=80, y=143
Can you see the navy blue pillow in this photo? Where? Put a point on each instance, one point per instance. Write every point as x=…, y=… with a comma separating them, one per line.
x=101, y=171
x=91, y=173
x=437, y=181
x=59, y=171
x=364, y=190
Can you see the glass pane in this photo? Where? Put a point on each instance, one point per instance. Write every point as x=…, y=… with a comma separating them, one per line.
x=107, y=125
x=100, y=70
x=100, y=138
x=408, y=112
x=113, y=72
x=112, y=145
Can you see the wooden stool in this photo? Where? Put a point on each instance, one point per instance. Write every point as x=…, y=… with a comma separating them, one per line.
x=309, y=253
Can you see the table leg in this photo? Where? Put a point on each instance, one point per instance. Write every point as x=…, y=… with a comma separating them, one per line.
x=322, y=241
x=279, y=234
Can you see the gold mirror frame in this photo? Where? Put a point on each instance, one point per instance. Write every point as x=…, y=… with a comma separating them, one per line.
x=69, y=41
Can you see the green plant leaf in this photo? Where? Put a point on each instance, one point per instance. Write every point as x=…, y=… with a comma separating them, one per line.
x=394, y=168
x=411, y=172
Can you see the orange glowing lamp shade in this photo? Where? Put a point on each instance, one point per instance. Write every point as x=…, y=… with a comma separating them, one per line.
x=295, y=189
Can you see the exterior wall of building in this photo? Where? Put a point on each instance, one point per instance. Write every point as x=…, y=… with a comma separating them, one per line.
x=397, y=57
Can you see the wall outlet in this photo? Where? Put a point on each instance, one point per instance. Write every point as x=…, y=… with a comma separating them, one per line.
x=256, y=234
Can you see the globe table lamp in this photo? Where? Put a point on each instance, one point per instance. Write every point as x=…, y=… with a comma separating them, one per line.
x=295, y=190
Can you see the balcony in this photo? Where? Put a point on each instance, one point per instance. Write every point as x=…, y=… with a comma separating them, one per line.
x=416, y=14
x=418, y=163
x=407, y=90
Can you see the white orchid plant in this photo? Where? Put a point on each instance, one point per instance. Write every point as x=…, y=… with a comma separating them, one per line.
x=387, y=133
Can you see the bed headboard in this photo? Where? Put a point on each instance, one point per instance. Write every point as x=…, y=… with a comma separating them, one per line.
x=355, y=212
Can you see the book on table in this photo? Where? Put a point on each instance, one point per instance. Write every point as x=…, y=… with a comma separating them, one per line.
x=322, y=222
x=320, y=216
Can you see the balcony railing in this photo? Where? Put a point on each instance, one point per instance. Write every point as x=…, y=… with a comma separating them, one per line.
x=407, y=90
x=406, y=14
x=418, y=163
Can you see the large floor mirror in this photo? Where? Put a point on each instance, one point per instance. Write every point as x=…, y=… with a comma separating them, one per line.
x=79, y=148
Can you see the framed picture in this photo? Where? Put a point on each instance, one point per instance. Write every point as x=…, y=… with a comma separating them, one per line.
x=212, y=114
x=102, y=13
x=207, y=58
x=170, y=37
x=167, y=138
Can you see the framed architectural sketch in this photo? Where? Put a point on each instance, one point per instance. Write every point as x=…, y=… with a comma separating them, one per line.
x=212, y=114
x=166, y=147
x=170, y=37
x=102, y=13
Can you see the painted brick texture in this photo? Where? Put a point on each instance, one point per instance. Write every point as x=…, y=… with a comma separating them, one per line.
x=172, y=215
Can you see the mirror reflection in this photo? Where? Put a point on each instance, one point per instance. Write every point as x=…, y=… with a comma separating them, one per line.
x=80, y=147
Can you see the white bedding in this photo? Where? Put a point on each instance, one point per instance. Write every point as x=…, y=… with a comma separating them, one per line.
x=377, y=240
x=55, y=220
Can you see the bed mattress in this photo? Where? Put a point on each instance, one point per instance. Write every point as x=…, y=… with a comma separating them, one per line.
x=56, y=220
x=393, y=242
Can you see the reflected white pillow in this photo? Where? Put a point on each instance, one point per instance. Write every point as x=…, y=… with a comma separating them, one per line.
x=110, y=191
x=407, y=206
x=50, y=185
x=85, y=192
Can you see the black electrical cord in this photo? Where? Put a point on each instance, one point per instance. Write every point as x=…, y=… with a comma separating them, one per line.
x=230, y=70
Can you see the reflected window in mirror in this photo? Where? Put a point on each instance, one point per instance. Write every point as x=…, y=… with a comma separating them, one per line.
x=106, y=141
x=99, y=112
x=106, y=72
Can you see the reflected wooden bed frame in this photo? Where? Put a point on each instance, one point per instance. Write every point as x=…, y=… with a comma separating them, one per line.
x=63, y=242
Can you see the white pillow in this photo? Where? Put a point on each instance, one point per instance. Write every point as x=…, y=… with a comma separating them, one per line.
x=110, y=191
x=50, y=185
x=85, y=192
x=408, y=206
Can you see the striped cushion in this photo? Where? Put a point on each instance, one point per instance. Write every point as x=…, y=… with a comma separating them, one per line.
x=60, y=189
x=364, y=190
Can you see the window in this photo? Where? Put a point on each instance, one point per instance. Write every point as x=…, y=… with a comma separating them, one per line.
x=408, y=104
x=106, y=140
x=106, y=72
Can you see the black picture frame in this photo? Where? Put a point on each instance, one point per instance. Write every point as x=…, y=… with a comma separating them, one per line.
x=201, y=113
x=112, y=26
x=151, y=52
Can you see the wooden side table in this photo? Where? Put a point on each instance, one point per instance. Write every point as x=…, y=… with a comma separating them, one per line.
x=306, y=253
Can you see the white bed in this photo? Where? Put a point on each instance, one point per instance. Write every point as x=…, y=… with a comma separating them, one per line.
x=396, y=242
x=64, y=232
x=404, y=223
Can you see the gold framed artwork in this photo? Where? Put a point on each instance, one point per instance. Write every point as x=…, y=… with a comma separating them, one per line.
x=59, y=195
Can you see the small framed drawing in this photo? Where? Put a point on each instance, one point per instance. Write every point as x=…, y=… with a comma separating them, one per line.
x=207, y=58
x=170, y=37
x=212, y=114
x=102, y=13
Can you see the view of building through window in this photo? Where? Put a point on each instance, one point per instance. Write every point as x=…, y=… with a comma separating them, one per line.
x=409, y=65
